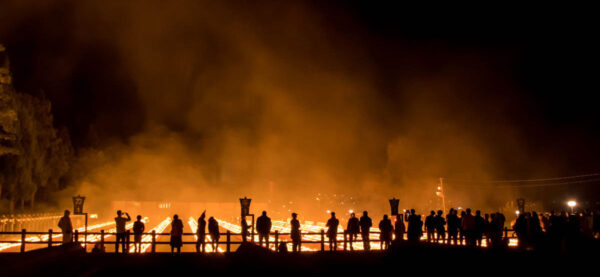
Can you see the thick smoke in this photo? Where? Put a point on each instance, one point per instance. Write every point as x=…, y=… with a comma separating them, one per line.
x=208, y=101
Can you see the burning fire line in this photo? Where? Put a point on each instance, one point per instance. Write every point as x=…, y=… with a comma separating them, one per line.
x=5, y=246
x=238, y=229
x=194, y=226
x=147, y=239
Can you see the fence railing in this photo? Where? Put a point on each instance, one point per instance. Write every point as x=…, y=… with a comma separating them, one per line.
x=79, y=237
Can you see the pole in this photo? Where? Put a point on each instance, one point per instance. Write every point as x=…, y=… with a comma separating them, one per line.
x=85, y=237
x=50, y=238
x=322, y=240
x=153, y=241
x=443, y=194
x=102, y=238
x=228, y=241
x=276, y=240
x=23, y=234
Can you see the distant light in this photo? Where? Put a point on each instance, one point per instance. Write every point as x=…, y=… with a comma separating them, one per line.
x=439, y=188
x=94, y=216
x=350, y=211
x=328, y=211
x=460, y=208
x=572, y=203
x=517, y=212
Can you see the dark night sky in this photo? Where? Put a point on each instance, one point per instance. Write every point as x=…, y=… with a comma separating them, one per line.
x=541, y=64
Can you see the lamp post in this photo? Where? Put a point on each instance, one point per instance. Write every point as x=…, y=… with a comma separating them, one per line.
x=572, y=204
x=521, y=205
x=440, y=193
x=78, y=210
x=245, y=204
x=394, y=205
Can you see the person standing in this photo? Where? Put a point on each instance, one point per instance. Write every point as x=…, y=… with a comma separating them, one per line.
x=213, y=230
x=386, y=229
x=440, y=227
x=295, y=233
x=176, y=234
x=365, y=230
x=263, y=227
x=453, y=225
x=138, y=230
x=399, y=228
x=332, y=227
x=352, y=229
x=121, y=231
x=415, y=227
x=66, y=227
x=201, y=234
x=479, y=228
x=430, y=226
x=468, y=227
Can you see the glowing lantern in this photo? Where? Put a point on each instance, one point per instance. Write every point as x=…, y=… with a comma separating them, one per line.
x=78, y=204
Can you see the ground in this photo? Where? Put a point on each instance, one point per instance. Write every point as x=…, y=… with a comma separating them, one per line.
x=418, y=260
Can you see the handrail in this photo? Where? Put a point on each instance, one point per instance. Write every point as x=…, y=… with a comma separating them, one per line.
x=49, y=240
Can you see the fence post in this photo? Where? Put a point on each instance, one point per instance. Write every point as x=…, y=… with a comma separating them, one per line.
x=50, y=238
x=228, y=241
x=276, y=240
x=505, y=232
x=322, y=240
x=23, y=233
x=153, y=241
x=127, y=240
x=345, y=239
x=102, y=238
x=76, y=236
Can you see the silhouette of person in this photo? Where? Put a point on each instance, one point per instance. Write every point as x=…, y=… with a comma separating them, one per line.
x=461, y=233
x=66, y=227
x=453, y=226
x=430, y=226
x=365, y=230
x=245, y=227
x=98, y=248
x=121, y=231
x=440, y=227
x=596, y=223
x=520, y=228
x=479, y=228
x=386, y=229
x=176, y=234
x=399, y=228
x=332, y=227
x=138, y=230
x=282, y=248
x=535, y=229
x=263, y=227
x=295, y=233
x=415, y=227
x=201, y=234
x=352, y=229
x=213, y=230
x=468, y=227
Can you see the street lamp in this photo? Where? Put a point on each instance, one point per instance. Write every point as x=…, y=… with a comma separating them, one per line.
x=572, y=204
x=245, y=203
x=78, y=210
x=521, y=205
x=394, y=205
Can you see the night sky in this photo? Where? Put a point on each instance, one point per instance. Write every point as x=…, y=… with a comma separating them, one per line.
x=521, y=82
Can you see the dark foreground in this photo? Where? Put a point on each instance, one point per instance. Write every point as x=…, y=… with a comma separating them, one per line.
x=253, y=261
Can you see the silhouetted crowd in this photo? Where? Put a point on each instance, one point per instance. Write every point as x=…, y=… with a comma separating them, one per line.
x=547, y=231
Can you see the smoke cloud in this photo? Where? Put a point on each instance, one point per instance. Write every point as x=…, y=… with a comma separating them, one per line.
x=210, y=101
